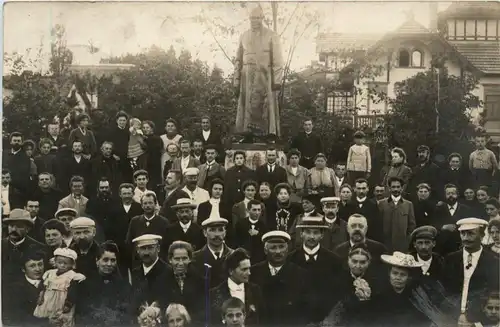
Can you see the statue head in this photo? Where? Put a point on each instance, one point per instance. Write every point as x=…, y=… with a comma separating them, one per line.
x=256, y=17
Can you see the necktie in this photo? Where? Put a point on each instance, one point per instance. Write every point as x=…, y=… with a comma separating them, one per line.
x=271, y=168
x=217, y=255
x=275, y=271
x=310, y=257
x=452, y=211
x=209, y=166
x=469, y=261
x=180, y=281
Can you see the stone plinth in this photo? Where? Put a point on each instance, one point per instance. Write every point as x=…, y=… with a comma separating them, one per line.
x=256, y=154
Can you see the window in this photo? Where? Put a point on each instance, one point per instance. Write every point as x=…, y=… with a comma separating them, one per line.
x=470, y=29
x=404, y=58
x=329, y=104
x=416, y=59
x=491, y=31
x=451, y=28
x=340, y=103
x=481, y=29
x=492, y=106
x=460, y=29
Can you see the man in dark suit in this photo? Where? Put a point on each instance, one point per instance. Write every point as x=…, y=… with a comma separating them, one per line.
x=423, y=240
x=211, y=169
x=235, y=177
x=249, y=230
x=47, y=196
x=446, y=216
x=424, y=205
x=337, y=228
x=367, y=208
x=19, y=299
x=75, y=165
x=83, y=230
x=173, y=192
x=148, y=223
x=185, y=160
x=216, y=206
x=106, y=165
x=237, y=266
x=18, y=163
x=271, y=172
x=472, y=268
x=12, y=198
x=184, y=229
x=321, y=265
x=455, y=174
x=357, y=227
x=308, y=143
x=208, y=261
x=16, y=244
x=283, y=284
x=33, y=207
x=147, y=275
x=198, y=152
x=209, y=136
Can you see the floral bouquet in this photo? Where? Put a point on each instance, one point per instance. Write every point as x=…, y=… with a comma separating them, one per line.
x=362, y=289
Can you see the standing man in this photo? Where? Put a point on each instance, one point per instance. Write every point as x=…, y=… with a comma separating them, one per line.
x=425, y=171
x=423, y=240
x=398, y=218
x=472, y=271
x=211, y=169
x=76, y=200
x=282, y=282
x=185, y=229
x=47, y=195
x=248, y=231
x=308, y=143
x=83, y=231
x=12, y=198
x=100, y=208
x=208, y=260
x=271, y=172
x=18, y=163
x=195, y=193
x=336, y=233
x=209, y=136
x=33, y=207
x=257, y=78
x=455, y=174
x=75, y=165
x=185, y=160
x=173, y=192
x=106, y=165
x=367, y=208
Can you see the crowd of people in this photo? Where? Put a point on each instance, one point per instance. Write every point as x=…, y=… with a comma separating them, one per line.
x=132, y=228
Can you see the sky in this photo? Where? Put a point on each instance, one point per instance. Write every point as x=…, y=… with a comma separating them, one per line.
x=129, y=27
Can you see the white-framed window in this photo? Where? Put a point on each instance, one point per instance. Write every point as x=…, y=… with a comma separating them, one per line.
x=404, y=58
x=340, y=103
x=329, y=104
x=417, y=59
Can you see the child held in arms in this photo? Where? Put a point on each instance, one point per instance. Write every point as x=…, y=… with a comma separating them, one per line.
x=150, y=315
x=136, y=145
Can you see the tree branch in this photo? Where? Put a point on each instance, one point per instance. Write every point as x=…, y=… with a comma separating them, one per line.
x=290, y=19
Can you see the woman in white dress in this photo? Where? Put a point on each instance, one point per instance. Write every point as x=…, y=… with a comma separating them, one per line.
x=170, y=137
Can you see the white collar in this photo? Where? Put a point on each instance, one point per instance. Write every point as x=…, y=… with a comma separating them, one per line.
x=361, y=199
x=474, y=255
x=210, y=163
x=339, y=178
x=235, y=287
x=330, y=221
x=454, y=207
x=271, y=164
x=213, y=252
x=34, y=282
x=253, y=222
x=15, y=152
x=148, y=269
x=277, y=269
x=185, y=226
x=18, y=243
x=5, y=188
x=307, y=214
x=214, y=201
x=186, y=158
x=395, y=199
x=245, y=201
x=127, y=205
x=424, y=261
x=206, y=132
x=149, y=219
x=310, y=252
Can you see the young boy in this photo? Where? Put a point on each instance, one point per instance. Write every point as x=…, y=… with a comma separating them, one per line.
x=491, y=312
x=482, y=163
x=359, y=161
x=233, y=313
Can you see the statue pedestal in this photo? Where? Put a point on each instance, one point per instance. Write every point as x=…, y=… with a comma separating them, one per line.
x=256, y=154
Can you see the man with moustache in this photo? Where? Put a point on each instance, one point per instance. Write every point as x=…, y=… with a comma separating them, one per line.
x=186, y=160
x=19, y=299
x=283, y=284
x=11, y=197
x=398, y=217
x=198, y=150
x=173, y=192
x=237, y=285
x=33, y=207
x=248, y=231
x=47, y=196
x=321, y=265
x=75, y=165
x=211, y=169
x=357, y=228
x=425, y=171
x=445, y=219
x=83, y=231
x=423, y=240
x=367, y=208
x=106, y=165
x=18, y=163
x=208, y=261
x=336, y=233
x=100, y=209
x=76, y=200
x=308, y=143
x=184, y=229
x=195, y=193
x=17, y=243
x=271, y=172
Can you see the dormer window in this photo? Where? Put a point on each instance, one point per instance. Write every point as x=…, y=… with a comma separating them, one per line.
x=404, y=58
x=473, y=29
x=416, y=59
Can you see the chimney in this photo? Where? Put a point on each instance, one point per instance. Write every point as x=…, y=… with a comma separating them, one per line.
x=433, y=16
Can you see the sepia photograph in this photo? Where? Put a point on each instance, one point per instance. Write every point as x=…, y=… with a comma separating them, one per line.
x=240, y=164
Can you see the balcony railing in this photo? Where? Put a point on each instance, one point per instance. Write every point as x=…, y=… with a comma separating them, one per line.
x=360, y=121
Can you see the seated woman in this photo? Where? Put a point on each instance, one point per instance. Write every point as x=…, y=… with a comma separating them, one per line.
x=286, y=213
x=321, y=178
x=176, y=315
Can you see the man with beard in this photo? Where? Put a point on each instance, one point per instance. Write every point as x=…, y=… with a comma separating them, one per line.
x=19, y=299
x=235, y=177
x=198, y=151
x=148, y=223
x=336, y=233
x=47, y=196
x=76, y=200
x=146, y=278
x=173, y=192
x=100, y=209
x=445, y=219
x=83, y=231
x=211, y=169
x=283, y=284
x=18, y=163
x=425, y=171
x=470, y=272
x=237, y=266
x=76, y=165
x=357, y=228
x=16, y=244
x=197, y=194
x=208, y=261
x=398, y=217
x=106, y=165
x=321, y=265
x=186, y=160
x=180, y=283
x=367, y=208
x=66, y=216
x=423, y=240
x=33, y=208
x=184, y=229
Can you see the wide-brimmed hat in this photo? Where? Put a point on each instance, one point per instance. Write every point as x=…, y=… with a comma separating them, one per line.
x=19, y=215
x=184, y=203
x=400, y=259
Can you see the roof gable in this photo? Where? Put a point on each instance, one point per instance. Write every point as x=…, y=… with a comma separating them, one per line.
x=472, y=9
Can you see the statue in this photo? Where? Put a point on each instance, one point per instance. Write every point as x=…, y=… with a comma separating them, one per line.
x=257, y=79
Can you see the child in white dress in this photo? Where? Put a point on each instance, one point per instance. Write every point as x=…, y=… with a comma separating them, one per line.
x=58, y=290
x=150, y=315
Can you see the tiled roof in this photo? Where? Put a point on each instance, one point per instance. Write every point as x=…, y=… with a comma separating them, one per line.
x=485, y=56
x=472, y=9
x=411, y=26
x=331, y=42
